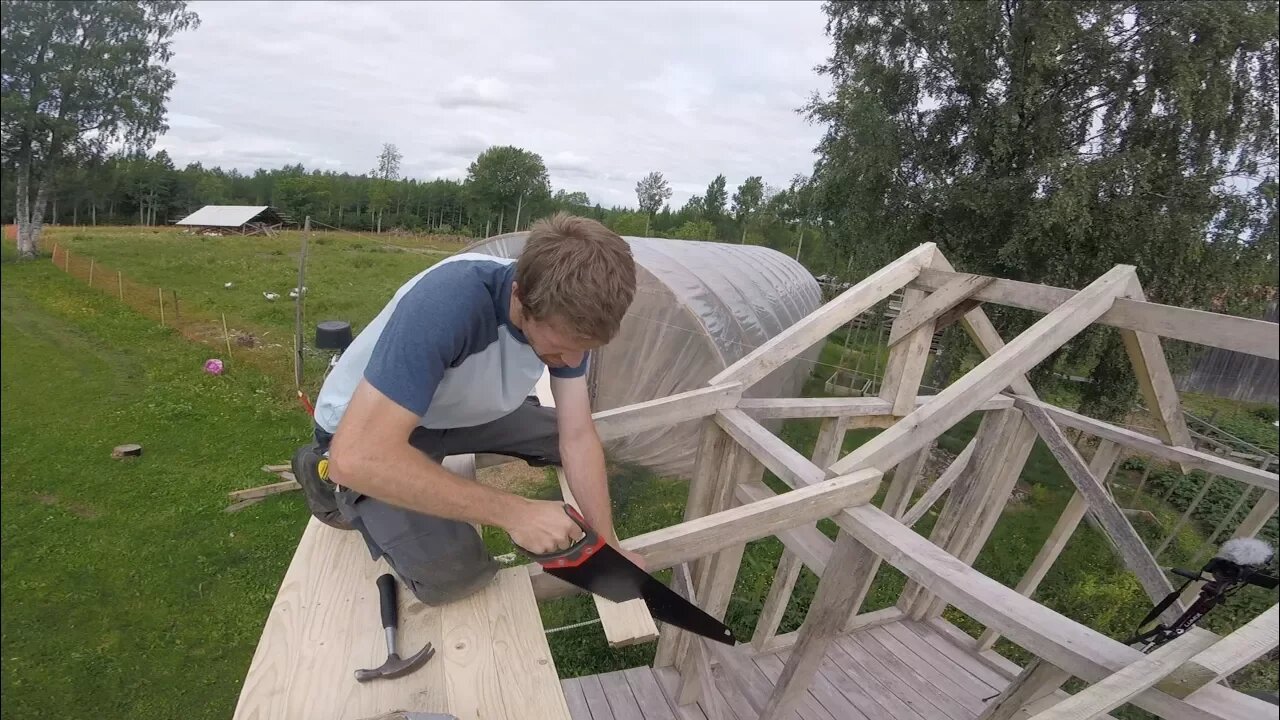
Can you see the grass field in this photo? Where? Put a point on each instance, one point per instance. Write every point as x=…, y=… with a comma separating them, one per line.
x=124, y=579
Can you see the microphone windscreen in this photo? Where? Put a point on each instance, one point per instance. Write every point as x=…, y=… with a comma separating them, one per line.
x=1246, y=551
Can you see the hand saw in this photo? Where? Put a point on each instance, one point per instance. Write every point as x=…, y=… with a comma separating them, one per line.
x=597, y=567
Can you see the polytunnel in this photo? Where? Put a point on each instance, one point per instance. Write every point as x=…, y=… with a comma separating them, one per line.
x=699, y=307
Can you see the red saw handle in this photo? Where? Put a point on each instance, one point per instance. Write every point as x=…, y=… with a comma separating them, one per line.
x=576, y=554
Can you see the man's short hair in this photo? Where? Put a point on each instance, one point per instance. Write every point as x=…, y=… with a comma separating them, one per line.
x=577, y=273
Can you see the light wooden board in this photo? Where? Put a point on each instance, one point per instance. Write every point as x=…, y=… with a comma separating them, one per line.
x=935, y=305
x=1128, y=543
x=1151, y=368
x=822, y=322
x=1255, y=337
x=784, y=461
x=1152, y=446
x=664, y=412
x=1115, y=690
x=323, y=626
x=1251, y=641
x=940, y=486
x=854, y=407
x=904, y=367
x=1081, y=651
x=865, y=688
x=989, y=377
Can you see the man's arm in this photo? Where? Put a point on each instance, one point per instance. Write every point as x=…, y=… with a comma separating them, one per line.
x=582, y=455
x=370, y=454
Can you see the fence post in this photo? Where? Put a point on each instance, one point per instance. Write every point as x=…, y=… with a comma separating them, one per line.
x=92, y=262
x=66, y=261
x=226, y=335
x=120, y=284
x=161, y=294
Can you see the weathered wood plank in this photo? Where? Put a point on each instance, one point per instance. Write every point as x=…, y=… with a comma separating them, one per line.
x=959, y=672
x=989, y=377
x=593, y=693
x=669, y=681
x=1075, y=648
x=1152, y=446
x=962, y=693
x=853, y=407
x=883, y=616
x=821, y=691
x=952, y=642
x=1255, y=337
x=784, y=461
x=667, y=411
x=935, y=305
x=905, y=366
x=1151, y=369
x=940, y=486
x=653, y=706
x=1038, y=680
x=574, y=698
x=865, y=688
x=621, y=700
x=822, y=322
x=909, y=685
x=1111, y=692
x=775, y=604
x=1251, y=641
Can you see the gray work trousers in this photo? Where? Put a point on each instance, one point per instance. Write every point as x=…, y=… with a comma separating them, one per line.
x=442, y=560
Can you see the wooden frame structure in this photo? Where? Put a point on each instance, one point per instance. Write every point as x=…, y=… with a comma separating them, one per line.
x=729, y=505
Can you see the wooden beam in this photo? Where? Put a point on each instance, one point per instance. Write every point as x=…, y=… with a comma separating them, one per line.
x=1152, y=446
x=1075, y=648
x=905, y=366
x=1253, y=640
x=989, y=377
x=1110, y=693
x=822, y=322
x=1128, y=544
x=940, y=486
x=1151, y=369
x=1254, y=337
x=806, y=542
x=775, y=604
x=849, y=576
x=875, y=618
x=779, y=408
x=697, y=675
x=667, y=411
x=1039, y=679
x=784, y=461
x=1262, y=511
x=935, y=305
x=1104, y=459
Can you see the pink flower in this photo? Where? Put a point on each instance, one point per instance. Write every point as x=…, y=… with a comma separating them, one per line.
x=213, y=366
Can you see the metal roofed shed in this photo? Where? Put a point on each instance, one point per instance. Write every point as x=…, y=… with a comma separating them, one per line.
x=699, y=307
x=236, y=219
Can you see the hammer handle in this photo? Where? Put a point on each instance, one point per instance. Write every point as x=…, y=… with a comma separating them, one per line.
x=387, y=599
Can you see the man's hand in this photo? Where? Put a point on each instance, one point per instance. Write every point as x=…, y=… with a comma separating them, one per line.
x=542, y=526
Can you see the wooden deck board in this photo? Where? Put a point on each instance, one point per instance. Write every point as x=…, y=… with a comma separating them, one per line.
x=978, y=667
x=928, y=666
x=877, y=700
x=822, y=689
x=577, y=702
x=669, y=680
x=653, y=705
x=621, y=700
x=593, y=692
x=965, y=674
x=809, y=707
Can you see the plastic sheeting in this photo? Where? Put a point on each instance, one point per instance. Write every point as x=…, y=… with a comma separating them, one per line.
x=699, y=307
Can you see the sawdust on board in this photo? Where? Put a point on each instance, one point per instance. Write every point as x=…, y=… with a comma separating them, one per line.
x=514, y=477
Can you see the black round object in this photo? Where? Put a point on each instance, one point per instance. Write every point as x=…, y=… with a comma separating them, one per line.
x=333, y=335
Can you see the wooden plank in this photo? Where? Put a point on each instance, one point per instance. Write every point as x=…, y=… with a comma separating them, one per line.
x=622, y=701
x=593, y=693
x=955, y=644
x=1111, y=692
x=854, y=407
x=1258, y=516
x=329, y=592
x=821, y=691
x=951, y=706
x=1071, y=646
x=775, y=604
x=958, y=672
x=962, y=693
x=1037, y=681
x=264, y=490
x=574, y=698
x=905, y=478
x=1251, y=641
x=653, y=706
x=989, y=377
x=846, y=582
x=978, y=327
x=826, y=449
x=865, y=688
x=669, y=680
x=1128, y=543
x=883, y=616
x=1152, y=446
x=904, y=367
x=807, y=542
x=940, y=486
x=496, y=659
x=784, y=461
x=907, y=684
x=936, y=304
x=822, y=322
x=667, y=411
x=1254, y=337
x=1104, y=458
x=1151, y=369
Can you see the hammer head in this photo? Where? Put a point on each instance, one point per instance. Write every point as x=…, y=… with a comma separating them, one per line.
x=395, y=666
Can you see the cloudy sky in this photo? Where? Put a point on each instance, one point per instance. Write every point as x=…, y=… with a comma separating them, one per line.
x=605, y=92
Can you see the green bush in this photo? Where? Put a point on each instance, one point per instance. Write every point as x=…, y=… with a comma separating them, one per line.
x=1267, y=413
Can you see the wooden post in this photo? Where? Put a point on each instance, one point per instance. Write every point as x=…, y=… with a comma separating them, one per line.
x=226, y=335
x=120, y=284
x=1036, y=680
x=177, y=314
x=297, y=306
x=92, y=262
x=161, y=294
x=66, y=261
x=1186, y=515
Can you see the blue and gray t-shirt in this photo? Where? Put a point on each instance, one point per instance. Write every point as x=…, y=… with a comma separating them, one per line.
x=444, y=348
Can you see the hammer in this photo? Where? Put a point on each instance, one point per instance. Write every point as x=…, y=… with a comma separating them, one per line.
x=395, y=666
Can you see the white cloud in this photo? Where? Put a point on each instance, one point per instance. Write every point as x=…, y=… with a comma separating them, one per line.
x=605, y=92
